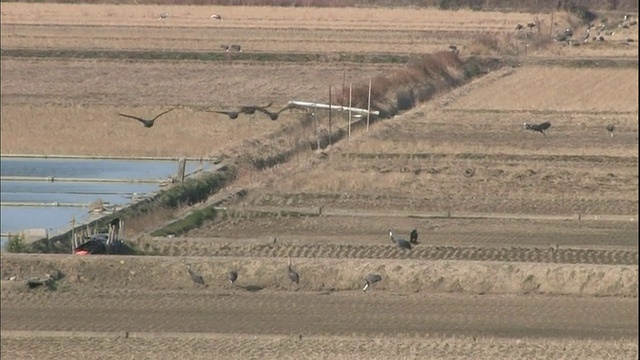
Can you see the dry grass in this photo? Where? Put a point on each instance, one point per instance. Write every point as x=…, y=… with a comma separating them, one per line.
x=404, y=276
x=558, y=89
x=265, y=29
x=264, y=17
x=78, y=111
x=195, y=346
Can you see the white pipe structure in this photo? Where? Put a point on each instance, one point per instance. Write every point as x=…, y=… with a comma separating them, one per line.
x=96, y=157
x=311, y=105
x=89, y=180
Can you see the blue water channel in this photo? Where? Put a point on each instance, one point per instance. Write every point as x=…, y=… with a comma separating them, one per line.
x=55, y=218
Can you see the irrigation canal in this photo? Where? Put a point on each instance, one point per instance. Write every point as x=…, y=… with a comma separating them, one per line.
x=47, y=193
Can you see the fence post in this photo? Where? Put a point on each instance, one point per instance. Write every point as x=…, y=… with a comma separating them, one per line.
x=330, y=132
x=369, y=106
x=350, y=92
x=182, y=165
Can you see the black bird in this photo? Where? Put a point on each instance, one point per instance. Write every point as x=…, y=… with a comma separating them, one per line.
x=233, y=276
x=402, y=243
x=197, y=278
x=251, y=109
x=413, y=237
x=272, y=115
x=224, y=47
x=231, y=114
x=541, y=128
x=519, y=27
x=370, y=280
x=235, y=47
x=293, y=275
x=147, y=123
x=531, y=25
x=610, y=129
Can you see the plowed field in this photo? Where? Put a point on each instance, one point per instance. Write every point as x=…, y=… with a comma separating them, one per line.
x=545, y=265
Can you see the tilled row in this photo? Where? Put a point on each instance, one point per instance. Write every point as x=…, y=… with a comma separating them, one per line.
x=509, y=254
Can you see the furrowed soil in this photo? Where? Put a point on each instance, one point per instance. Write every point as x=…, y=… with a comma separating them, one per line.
x=528, y=242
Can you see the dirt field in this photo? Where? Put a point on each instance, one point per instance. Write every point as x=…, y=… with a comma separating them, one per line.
x=548, y=215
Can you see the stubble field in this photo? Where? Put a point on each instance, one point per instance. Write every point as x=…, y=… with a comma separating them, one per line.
x=463, y=152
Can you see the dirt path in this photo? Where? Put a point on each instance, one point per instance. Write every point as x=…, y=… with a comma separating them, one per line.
x=308, y=313
x=41, y=345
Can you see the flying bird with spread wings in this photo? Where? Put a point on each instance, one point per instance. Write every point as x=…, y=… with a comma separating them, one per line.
x=147, y=122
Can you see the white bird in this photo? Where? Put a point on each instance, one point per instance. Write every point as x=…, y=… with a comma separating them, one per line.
x=163, y=16
x=216, y=17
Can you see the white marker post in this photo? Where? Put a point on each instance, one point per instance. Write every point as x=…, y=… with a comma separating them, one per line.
x=369, y=106
x=350, y=90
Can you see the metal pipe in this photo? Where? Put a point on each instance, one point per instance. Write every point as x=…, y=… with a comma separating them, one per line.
x=100, y=157
x=61, y=179
x=333, y=107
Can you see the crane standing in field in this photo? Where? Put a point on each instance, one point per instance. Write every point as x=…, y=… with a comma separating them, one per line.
x=293, y=275
x=197, y=278
x=610, y=129
x=413, y=237
x=233, y=276
x=541, y=128
x=402, y=243
x=370, y=280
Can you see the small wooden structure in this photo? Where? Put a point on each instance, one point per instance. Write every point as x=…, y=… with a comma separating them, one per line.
x=90, y=241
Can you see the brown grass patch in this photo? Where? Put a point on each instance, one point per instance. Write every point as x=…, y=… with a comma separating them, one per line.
x=560, y=89
x=402, y=89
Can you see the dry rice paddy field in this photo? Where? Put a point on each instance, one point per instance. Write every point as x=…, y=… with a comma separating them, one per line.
x=528, y=243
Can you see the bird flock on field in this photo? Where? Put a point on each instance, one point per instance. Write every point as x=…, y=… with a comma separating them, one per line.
x=294, y=277
x=231, y=113
x=215, y=17
x=273, y=115
x=593, y=32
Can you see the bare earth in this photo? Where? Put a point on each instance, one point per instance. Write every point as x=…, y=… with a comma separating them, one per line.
x=546, y=269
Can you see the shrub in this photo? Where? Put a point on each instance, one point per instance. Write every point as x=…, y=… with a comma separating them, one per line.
x=16, y=244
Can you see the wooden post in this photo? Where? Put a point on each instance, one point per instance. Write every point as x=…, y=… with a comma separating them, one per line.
x=330, y=132
x=121, y=230
x=350, y=92
x=344, y=89
x=182, y=165
x=73, y=234
x=551, y=25
x=369, y=106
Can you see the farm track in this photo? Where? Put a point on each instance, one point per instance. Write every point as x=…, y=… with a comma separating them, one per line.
x=357, y=57
x=420, y=252
x=292, y=313
x=148, y=55
x=596, y=159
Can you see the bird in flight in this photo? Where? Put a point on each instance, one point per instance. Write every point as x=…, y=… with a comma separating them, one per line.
x=147, y=122
x=251, y=109
x=231, y=114
x=274, y=115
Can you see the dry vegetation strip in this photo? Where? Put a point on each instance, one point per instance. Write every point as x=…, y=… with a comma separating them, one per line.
x=166, y=273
